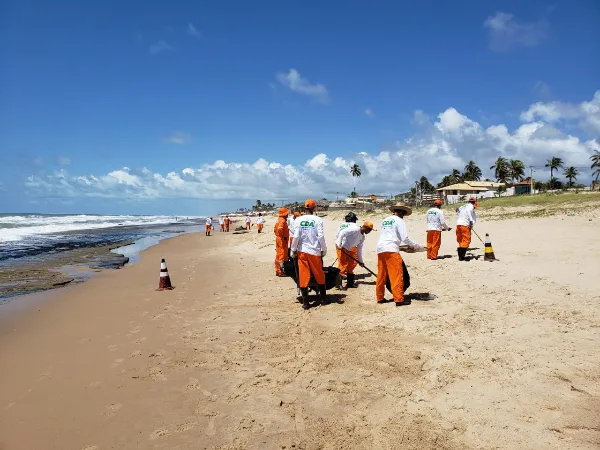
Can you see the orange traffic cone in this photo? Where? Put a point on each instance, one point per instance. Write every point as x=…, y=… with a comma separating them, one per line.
x=489, y=251
x=165, y=281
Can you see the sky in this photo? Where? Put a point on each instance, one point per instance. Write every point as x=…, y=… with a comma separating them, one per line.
x=190, y=108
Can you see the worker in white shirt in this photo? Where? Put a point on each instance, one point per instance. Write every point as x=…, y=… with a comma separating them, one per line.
x=208, y=225
x=222, y=224
x=349, y=239
x=260, y=222
x=389, y=262
x=349, y=219
x=464, y=224
x=291, y=226
x=436, y=223
x=310, y=248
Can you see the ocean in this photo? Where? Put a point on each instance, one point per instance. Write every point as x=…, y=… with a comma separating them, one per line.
x=25, y=237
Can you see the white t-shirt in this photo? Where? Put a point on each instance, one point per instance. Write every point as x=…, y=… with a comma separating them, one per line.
x=221, y=221
x=308, y=235
x=351, y=237
x=466, y=215
x=248, y=220
x=436, y=220
x=208, y=221
x=260, y=220
x=393, y=234
x=342, y=227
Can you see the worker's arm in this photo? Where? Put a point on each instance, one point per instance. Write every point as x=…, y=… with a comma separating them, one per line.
x=294, y=247
x=340, y=239
x=321, y=236
x=443, y=221
x=402, y=235
x=360, y=249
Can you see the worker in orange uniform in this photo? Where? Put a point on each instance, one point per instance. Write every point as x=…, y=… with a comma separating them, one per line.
x=227, y=223
x=436, y=223
x=349, y=220
x=349, y=239
x=291, y=222
x=309, y=248
x=389, y=262
x=248, y=221
x=282, y=235
x=260, y=222
x=464, y=224
x=208, y=225
x=221, y=224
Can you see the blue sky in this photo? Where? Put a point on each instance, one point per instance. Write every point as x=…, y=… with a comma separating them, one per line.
x=179, y=108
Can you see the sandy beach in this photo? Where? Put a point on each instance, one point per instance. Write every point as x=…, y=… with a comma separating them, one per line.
x=505, y=357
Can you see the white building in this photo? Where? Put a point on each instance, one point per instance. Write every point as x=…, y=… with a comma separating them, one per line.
x=455, y=193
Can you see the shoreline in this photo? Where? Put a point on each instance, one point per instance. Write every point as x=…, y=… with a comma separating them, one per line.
x=505, y=356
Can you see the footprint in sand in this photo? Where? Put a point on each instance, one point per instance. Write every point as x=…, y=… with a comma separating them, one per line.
x=135, y=330
x=211, y=429
x=159, y=433
x=10, y=405
x=185, y=427
x=140, y=340
x=136, y=353
x=112, y=347
x=157, y=375
x=95, y=385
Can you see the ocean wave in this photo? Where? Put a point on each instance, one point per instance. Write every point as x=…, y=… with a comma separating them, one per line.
x=18, y=227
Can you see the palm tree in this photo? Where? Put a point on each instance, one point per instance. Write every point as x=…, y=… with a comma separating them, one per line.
x=471, y=172
x=553, y=164
x=570, y=174
x=456, y=176
x=355, y=172
x=517, y=170
x=502, y=169
x=596, y=163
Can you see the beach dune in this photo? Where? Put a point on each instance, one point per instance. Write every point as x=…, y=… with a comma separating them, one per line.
x=505, y=356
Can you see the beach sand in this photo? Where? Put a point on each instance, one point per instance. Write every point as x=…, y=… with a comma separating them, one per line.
x=506, y=356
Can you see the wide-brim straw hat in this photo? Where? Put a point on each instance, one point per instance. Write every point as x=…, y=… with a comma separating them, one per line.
x=401, y=207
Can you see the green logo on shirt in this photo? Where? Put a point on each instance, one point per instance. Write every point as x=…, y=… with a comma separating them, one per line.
x=307, y=223
x=387, y=223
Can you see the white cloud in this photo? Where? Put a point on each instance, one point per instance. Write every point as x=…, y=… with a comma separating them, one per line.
x=506, y=32
x=369, y=112
x=419, y=117
x=159, y=47
x=294, y=81
x=192, y=30
x=178, y=137
x=585, y=115
x=63, y=160
x=450, y=143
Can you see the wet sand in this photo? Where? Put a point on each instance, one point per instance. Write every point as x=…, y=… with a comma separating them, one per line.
x=506, y=356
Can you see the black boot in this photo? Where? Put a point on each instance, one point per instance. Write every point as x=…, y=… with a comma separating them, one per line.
x=350, y=281
x=304, y=292
x=461, y=255
x=323, y=293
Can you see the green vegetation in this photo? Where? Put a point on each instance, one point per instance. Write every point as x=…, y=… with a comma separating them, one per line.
x=548, y=200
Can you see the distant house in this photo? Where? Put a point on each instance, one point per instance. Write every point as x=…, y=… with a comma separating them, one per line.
x=523, y=187
x=480, y=189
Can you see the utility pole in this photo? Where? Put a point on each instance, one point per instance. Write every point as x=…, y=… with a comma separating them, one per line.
x=531, y=179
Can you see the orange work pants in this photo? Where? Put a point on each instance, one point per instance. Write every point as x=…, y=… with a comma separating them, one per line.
x=345, y=263
x=221, y=227
x=247, y=225
x=260, y=226
x=281, y=253
x=208, y=228
x=463, y=236
x=434, y=241
x=226, y=227
x=308, y=264
x=389, y=264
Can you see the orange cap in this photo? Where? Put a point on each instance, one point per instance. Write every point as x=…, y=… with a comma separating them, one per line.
x=369, y=224
x=283, y=212
x=472, y=199
x=296, y=214
x=310, y=204
x=437, y=202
